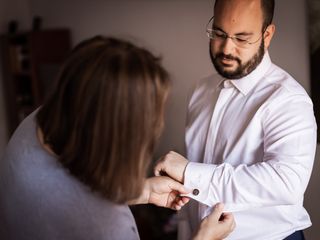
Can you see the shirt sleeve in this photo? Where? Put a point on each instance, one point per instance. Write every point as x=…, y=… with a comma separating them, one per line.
x=289, y=132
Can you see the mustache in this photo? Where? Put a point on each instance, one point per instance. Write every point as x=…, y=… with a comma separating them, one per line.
x=228, y=56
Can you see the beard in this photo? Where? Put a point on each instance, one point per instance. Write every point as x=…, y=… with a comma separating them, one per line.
x=243, y=69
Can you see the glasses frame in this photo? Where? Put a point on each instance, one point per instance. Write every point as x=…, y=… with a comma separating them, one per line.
x=210, y=30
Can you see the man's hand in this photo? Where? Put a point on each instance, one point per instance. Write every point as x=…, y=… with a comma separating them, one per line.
x=173, y=165
x=216, y=226
x=163, y=192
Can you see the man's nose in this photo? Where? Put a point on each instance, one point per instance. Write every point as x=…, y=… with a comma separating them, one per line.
x=228, y=46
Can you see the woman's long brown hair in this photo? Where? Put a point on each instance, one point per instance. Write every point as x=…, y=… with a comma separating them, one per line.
x=105, y=114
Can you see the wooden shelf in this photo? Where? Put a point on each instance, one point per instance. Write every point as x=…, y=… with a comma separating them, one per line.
x=30, y=61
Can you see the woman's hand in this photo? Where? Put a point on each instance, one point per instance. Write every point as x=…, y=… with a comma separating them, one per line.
x=163, y=192
x=216, y=226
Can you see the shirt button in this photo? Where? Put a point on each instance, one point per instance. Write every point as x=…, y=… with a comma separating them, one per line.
x=195, y=192
x=227, y=84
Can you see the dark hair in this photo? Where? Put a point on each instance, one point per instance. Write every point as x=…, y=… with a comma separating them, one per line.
x=267, y=10
x=104, y=116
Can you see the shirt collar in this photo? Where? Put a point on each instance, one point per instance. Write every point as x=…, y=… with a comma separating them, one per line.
x=245, y=84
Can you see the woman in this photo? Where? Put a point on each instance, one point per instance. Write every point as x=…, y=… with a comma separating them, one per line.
x=73, y=166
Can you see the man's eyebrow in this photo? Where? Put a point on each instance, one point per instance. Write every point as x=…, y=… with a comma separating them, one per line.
x=237, y=34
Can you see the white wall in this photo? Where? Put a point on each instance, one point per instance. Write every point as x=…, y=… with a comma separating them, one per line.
x=176, y=30
x=14, y=10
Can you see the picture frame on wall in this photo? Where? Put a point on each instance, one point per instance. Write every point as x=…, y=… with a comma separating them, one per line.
x=314, y=46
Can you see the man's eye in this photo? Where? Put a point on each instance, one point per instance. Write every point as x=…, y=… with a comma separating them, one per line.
x=219, y=34
x=241, y=40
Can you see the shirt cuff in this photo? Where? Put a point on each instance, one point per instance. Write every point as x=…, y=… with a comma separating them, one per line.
x=197, y=178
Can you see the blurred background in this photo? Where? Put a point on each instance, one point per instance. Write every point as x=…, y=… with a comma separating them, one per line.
x=37, y=34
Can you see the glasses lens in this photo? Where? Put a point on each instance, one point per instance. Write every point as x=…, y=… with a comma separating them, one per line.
x=210, y=33
x=242, y=43
x=219, y=36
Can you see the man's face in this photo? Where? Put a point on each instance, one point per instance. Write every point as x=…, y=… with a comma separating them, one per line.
x=232, y=67
x=243, y=19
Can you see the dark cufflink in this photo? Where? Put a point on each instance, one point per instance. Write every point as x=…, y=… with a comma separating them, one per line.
x=195, y=192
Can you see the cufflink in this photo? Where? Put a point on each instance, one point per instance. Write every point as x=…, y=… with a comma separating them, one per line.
x=195, y=192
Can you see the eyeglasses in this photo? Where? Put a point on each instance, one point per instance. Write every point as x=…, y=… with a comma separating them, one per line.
x=221, y=36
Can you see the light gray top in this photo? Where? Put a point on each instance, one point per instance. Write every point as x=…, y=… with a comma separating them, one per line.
x=39, y=199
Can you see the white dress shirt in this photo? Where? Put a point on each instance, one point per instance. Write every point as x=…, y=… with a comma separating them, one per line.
x=251, y=143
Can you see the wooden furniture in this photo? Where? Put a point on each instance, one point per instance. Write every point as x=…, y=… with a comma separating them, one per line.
x=30, y=62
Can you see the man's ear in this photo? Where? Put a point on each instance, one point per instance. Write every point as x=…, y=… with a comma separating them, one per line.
x=268, y=34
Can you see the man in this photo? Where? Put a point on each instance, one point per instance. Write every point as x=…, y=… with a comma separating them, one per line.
x=251, y=132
